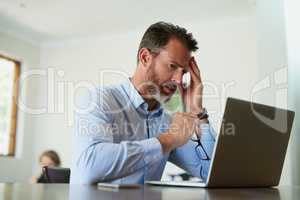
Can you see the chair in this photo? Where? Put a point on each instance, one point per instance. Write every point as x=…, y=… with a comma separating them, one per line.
x=56, y=175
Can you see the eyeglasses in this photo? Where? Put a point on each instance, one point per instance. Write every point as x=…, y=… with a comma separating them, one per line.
x=201, y=156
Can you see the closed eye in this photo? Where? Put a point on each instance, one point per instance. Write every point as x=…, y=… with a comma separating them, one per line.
x=174, y=67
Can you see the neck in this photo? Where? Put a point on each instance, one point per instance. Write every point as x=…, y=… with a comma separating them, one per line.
x=142, y=90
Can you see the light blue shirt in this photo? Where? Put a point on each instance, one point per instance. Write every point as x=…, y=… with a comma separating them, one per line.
x=116, y=140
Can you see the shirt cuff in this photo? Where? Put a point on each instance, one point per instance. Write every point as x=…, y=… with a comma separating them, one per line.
x=152, y=150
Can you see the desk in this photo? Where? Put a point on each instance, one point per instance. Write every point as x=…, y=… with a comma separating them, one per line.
x=77, y=192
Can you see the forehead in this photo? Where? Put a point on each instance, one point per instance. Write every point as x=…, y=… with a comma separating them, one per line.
x=176, y=51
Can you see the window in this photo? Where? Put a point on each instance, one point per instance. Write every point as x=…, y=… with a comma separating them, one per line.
x=9, y=76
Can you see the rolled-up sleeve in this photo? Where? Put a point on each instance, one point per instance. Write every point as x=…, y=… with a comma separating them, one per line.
x=152, y=150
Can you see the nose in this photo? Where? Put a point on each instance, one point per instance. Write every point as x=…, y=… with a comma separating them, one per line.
x=177, y=77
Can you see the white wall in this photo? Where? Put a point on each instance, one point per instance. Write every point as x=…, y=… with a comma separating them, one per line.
x=272, y=62
x=19, y=168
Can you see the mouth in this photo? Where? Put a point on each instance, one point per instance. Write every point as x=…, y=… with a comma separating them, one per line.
x=169, y=88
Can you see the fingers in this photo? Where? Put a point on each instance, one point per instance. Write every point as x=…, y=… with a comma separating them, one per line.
x=190, y=119
x=189, y=114
x=194, y=70
x=195, y=66
x=186, y=119
x=194, y=120
x=183, y=127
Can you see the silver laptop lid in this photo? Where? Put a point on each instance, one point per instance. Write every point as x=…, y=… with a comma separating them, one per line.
x=251, y=145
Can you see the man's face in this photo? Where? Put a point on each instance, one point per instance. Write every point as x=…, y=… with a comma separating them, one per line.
x=168, y=68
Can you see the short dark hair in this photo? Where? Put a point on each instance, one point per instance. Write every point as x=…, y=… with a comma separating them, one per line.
x=159, y=34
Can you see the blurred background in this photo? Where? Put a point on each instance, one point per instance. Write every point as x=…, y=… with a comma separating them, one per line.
x=55, y=49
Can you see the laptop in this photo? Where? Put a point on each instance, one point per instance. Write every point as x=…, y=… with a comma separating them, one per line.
x=253, y=154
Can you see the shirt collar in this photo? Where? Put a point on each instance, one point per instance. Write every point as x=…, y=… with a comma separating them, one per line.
x=136, y=99
x=133, y=95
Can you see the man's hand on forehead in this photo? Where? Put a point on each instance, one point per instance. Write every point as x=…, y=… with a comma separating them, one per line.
x=192, y=94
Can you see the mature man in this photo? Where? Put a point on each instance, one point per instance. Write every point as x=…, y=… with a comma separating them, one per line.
x=125, y=135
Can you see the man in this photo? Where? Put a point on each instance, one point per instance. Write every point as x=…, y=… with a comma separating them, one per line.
x=125, y=136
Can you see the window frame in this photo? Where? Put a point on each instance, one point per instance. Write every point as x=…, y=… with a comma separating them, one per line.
x=14, y=108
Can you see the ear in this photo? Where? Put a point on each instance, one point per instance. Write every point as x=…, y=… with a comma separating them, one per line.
x=145, y=57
